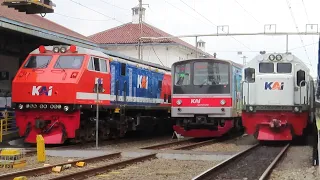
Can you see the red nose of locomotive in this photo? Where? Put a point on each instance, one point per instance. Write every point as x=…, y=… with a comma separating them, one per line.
x=48, y=76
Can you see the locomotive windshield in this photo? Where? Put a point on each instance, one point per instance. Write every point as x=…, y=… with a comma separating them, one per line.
x=201, y=77
x=38, y=62
x=69, y=62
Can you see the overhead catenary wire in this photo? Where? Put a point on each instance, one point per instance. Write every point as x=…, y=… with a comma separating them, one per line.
x=212, y=23
x=80, y=18
x=247, y=11
x=297, y=28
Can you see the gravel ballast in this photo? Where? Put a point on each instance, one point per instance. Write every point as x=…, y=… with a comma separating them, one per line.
x=159, y=169
x=78, y=169
x=296, y=165
x=32, y=162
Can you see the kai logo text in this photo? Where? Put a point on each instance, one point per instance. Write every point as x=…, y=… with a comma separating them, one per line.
x=142, y=82
x=42, y=90
x=273, y=85
x=195, y=101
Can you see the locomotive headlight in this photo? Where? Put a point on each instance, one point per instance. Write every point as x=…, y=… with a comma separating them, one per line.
x=179, y=102
x=222, y=102
x=278, y=57
x=51, y=106
x=63, y=49
x=20, y=106
x=56, y=49
x=250, y=108
x=296, y=109
x=272, y=57
x=27, y=105
x=59, y=106
x=66, y=108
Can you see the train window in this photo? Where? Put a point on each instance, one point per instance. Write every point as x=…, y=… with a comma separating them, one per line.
x=123, y=69
x=182, y=74
x=91, y=65
x=211, y=73
x=249, y=74
x=266, y=67
x=38, y=62
x=96, y=64
x=103, y=65
x=284, y=67
x=69, y=62
x=301, y=77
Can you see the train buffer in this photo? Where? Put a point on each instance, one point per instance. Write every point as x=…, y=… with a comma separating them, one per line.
x=31, y=6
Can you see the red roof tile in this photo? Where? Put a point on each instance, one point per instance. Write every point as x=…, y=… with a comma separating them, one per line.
x=38, y=21
x=130, y=33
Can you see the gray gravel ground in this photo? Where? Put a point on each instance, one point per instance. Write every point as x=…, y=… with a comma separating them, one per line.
x=159, y=169
x=296, y=165
x=135, y=144
x=233, y=145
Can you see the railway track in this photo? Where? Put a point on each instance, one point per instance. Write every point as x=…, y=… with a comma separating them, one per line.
x=253, y=163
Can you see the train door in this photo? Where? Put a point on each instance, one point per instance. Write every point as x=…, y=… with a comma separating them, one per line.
x=301, y=86
x=99, y=69
x=122, y=83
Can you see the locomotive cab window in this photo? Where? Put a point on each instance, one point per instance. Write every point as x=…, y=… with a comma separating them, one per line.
x=266, y=67
x=182, y=74
x=209, y=73
x=249, y=74
x=69, y=62
x=284, y=67
x=301, y=77
x=96, y=64
x=38, y=62
x=103, y=65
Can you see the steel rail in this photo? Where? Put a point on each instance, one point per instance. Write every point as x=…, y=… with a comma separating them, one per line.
x=267, y=172
x=194, y=145
x=228, y=161
x=224, y=163
x=48, y=169
x=163, y=145
x=103, y=169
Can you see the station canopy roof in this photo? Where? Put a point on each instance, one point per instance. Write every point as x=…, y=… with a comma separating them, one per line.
x=40, y=26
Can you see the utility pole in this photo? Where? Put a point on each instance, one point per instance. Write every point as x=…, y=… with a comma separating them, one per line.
x=140, y=24
x=244, y=60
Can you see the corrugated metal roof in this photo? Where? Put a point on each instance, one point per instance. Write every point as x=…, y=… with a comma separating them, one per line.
x=38, y=21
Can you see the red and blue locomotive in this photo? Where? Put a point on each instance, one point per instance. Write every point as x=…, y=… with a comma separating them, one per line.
x=54, y=94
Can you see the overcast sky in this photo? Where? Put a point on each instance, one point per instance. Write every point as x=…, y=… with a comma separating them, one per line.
x=181, y=17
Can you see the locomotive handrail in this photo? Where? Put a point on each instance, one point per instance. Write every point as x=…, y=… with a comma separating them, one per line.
x=4, y=123
x=300, y=89
x=243, y=101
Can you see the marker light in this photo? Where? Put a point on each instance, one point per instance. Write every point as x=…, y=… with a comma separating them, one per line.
x=179, y=102
x=296, y=109
x=63, y=49
x=42, y=49
x=278, y=57
x=250, y=108
x=272, y=57
x=222, y=102
x=73, y=48
x=20, y=106
x=56, y=49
